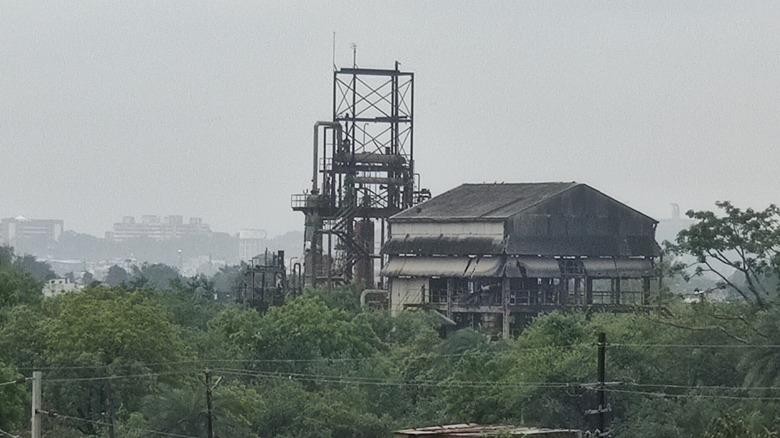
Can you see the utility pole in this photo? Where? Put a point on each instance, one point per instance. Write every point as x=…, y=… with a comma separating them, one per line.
x=602, y=379
x=603, y=407
x=209, y=404
x=110, y=410
x=36, y=404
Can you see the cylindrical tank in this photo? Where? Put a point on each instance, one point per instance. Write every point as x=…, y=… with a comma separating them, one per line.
x=364, y=267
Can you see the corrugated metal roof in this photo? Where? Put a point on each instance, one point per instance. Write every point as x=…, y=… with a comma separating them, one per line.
x=618, y=268
x=485, y=201
x=583, y=246
x=486, y=267
x=600, y=267
x=533, y=267
x=443, y=246
x=523, y=245
x=635, y=268
x=513, y=267
x=426, y=267
x=443, y=267
x=476, y=430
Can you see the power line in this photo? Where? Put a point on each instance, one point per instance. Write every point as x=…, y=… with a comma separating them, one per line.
x=320, y=359
x=501, y=354
x=320, y=378
x=16, y=382
x=723, y=388
x=101, y=423
x=712, y=396
x=331, y=378
x=4, y=433
x=694, y=345
x=115, y=377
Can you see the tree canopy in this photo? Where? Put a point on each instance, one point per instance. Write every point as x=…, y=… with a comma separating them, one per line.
x=746, y=242
x=132, y=358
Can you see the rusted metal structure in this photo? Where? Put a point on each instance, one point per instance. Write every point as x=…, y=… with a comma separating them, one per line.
x=493, y=255
x=265, y=281
x=363, y=173
x=476, y=430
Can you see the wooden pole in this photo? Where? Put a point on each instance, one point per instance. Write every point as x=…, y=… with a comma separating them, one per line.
x=36, y=404
x=209, y=405
x=602, y=379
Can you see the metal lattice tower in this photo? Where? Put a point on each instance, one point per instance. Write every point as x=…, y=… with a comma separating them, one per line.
x=363, y=173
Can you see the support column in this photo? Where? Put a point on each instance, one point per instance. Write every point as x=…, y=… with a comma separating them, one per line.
x=450, y=294
x=505, y=306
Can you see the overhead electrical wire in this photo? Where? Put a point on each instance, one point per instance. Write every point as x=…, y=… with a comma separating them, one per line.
x=506, y=353
x=689, y=395
x=380, y=381
x=715, y=388
x=377, y=381
x=101, y=423
x=9, y=435
x=320, y=359
x=693, y=345
x=113, y=377
x=16, y=382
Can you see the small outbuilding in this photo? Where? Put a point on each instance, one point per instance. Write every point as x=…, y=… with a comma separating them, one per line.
x=492, y=255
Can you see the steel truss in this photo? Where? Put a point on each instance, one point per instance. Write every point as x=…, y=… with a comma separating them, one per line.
x=363, y=172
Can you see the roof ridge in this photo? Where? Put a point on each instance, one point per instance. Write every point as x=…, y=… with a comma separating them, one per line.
x=569, y=186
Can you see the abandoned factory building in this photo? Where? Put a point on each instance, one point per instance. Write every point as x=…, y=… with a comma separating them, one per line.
x=492, y=255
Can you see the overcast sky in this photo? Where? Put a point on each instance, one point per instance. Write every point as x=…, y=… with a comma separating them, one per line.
x=205, y=109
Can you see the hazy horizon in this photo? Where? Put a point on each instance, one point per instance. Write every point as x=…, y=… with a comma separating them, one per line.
x=205, y=109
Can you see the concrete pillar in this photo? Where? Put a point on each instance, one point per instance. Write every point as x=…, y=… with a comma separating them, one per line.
x=505, y=306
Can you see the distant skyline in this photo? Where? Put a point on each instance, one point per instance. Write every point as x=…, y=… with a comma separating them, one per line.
x=204, y=109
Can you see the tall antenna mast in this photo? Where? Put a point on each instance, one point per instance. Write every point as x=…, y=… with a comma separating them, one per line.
x=354, y=55
x=334, y=50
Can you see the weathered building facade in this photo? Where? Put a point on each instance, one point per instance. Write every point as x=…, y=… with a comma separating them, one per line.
x=491, y=254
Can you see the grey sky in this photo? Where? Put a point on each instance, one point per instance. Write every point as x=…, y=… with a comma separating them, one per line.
x=205, y=108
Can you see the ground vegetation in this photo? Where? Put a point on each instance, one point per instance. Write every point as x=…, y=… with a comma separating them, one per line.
x=133, y=359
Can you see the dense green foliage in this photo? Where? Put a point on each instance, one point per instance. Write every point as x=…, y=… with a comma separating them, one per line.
x=740, y=247
x=132, y=355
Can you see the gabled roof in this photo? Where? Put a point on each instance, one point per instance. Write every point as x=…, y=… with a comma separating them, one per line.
x=483, y=201
x=492, y=202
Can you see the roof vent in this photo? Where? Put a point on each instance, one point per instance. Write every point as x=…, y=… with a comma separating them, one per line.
x=419, y=209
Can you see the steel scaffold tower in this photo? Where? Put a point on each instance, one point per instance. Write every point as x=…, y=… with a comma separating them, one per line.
x=363, y=173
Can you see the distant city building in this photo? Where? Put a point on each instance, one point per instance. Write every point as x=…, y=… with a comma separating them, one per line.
x=12, y=230
x=250, y=243
x=57, y=286
x=150, y=226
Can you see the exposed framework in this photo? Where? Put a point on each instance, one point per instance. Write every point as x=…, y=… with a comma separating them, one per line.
x=265, y=280
x=363, y=173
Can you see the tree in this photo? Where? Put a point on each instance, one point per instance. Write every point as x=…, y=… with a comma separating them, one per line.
x=116, y=276
x=101, y=333
x=157, y=275
x=17, y=283
x=227, y=281
x=734, y=425
x=23, y=337
x=40, y=271
x=747, y=241
x=306, y=328
x=87, y=279
x=13, y=399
